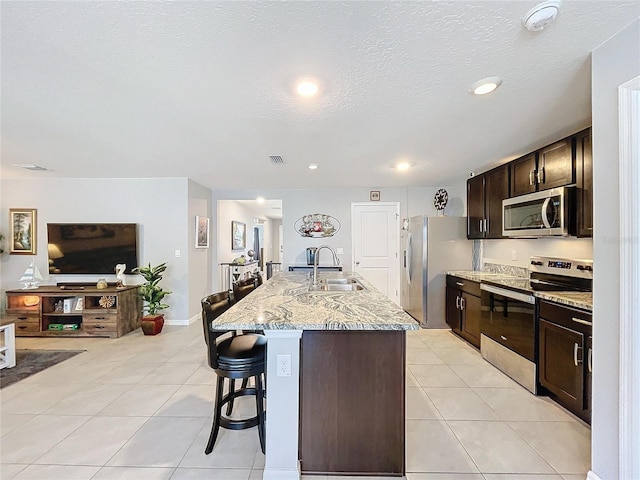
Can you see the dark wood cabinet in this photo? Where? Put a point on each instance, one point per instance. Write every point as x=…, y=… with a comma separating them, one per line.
x=484, y=203
x=463, y=308
x=523, y=171
x=564, y=353
x=549, y=167
x=584, y=184
x=352, y=401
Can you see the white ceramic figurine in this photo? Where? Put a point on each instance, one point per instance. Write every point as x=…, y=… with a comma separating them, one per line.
x=120, y=268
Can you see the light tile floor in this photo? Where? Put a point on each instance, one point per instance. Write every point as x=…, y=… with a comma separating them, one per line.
x=139, y=408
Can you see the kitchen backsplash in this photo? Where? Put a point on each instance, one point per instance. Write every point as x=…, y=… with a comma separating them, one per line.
x=511, y=270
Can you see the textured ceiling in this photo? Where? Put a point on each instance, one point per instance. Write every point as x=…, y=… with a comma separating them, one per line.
x=203, y=89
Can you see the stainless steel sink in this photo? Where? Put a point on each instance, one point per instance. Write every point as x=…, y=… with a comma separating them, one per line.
x=337, y=285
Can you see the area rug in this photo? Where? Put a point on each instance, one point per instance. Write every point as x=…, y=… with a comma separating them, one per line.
x=29, y=362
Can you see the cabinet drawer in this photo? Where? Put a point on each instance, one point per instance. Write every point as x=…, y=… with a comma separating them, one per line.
x=24, y=322
x=98, y=327
x=99, y=317
x=467, y=286
x=568, y=317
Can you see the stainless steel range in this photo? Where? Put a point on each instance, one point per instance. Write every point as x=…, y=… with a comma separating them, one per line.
x=509, y=330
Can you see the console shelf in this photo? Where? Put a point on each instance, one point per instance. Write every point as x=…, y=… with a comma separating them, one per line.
x=54, y=311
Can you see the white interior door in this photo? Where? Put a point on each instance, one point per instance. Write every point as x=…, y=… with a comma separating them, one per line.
x=375, y=238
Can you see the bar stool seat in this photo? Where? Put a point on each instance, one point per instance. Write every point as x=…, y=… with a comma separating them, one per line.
x=233, y=357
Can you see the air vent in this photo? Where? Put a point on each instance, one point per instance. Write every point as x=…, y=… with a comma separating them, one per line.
x=276, y=159
x=29, y=166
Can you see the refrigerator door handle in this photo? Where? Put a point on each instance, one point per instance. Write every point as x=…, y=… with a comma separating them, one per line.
x=408, y=259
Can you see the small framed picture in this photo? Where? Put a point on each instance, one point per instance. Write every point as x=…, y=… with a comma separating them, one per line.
x=238, y=235
x=79, y=304
x=202, y=232
x=22, y=225
x=374, y=195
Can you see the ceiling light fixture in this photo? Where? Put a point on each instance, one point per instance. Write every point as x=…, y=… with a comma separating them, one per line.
x=403, y=166
x=313, y=166
x=541, y=15
x=260, y=199
x=486, y=85
x=307, y=87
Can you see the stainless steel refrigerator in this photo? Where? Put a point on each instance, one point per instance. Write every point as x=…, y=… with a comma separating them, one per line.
x=431, y=247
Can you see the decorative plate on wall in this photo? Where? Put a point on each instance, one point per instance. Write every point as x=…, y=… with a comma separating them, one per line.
x=317, y=225
x=441, y=198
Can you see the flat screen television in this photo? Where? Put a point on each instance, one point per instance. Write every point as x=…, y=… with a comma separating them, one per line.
x=91, y=248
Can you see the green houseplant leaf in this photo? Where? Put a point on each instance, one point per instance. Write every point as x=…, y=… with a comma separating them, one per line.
x=150, y=291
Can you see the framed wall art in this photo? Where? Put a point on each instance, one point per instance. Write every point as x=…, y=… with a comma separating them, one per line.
x=238, y=235
x=22, y=224
x=202, y=232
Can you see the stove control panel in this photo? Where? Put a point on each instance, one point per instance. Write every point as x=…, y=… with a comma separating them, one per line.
x=570, y=267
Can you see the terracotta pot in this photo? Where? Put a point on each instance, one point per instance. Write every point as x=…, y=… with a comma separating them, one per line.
x=152, y=324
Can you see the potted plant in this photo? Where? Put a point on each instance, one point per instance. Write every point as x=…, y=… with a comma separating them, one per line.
x=152, y=294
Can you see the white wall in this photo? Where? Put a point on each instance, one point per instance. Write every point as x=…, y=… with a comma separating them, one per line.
x=334, y=202
x=158, y=206
x=200, y=259
x=500, y=250
x=613, y=63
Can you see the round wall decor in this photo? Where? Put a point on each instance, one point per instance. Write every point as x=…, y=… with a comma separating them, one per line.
x=441, y=198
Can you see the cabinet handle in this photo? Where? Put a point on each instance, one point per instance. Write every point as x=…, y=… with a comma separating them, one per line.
x=22, y=318
x=575, y=354
x=531, y=177
x=503, y=338
x=100, y=318
x=540, y=175
x=589, y=360
x=579, y=320
x=486, y=225
x=480, y=227
x=457, y=301
x=462, y=302
x=461, y=284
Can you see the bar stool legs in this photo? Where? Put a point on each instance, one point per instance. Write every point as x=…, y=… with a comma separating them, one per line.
x=220, y=420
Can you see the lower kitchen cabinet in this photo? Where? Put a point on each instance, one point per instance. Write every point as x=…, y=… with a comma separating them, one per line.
x=463, y=308
x=565, y=356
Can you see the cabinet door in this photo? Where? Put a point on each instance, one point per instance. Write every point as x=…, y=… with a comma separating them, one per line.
x=471, y=318
x=523, y=172
x=584, y=183
x=561, y=364
x=453, y=308
x=555, y=165
x=496, y=185
x=475, y=207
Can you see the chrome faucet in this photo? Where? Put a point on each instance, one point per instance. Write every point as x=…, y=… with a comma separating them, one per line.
x=336, y=262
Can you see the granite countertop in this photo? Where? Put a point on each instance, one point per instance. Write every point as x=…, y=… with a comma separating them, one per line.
x=477, y=276
x=583, y=300
x=284, y=303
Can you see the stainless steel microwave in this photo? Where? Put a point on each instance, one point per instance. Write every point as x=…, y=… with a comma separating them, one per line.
x=540, y=214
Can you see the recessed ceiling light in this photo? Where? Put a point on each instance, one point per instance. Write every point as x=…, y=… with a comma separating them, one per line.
x=403, y=166
x=307, y=87
x=486, y=85
x=313, y=166
x=541, y=15
x=260, y=199
x=28, y=166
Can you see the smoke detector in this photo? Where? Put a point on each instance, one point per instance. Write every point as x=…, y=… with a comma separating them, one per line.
x=541, y=15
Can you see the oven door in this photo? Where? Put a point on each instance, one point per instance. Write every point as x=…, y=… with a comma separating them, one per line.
x=538, y=214
x=509, y=318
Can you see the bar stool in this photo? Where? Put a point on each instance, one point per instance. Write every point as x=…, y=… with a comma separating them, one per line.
x=233, y=357
x=242, y=288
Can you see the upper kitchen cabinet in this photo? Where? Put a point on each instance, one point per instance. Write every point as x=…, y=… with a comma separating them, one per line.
x=549, y=167
x=584, y=184
x=485, y=193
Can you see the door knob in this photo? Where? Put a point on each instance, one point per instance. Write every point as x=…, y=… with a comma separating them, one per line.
x=357, y=263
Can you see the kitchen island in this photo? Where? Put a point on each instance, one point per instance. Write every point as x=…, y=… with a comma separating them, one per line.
x=335, y=376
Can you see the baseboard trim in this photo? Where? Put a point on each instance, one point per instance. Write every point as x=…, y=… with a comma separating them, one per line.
x=278, y=474
x=592, y=476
